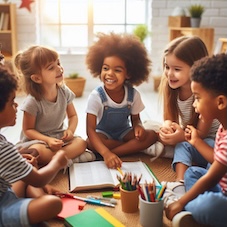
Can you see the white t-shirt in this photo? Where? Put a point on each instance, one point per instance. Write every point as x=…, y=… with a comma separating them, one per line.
x=95, y=105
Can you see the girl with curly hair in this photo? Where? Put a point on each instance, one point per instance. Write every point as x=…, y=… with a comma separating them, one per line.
x=113, y=110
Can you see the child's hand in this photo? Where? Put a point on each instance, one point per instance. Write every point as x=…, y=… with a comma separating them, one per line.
x=31, y=159
x=140, y=132
x=55, y=144
x=173, y=138
x=173, y=209
x=51, y=190
x=191, y=135
x=112, y=160
x=68, y=135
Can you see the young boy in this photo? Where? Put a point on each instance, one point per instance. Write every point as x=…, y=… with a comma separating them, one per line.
x=14, y=168
x=205, y=201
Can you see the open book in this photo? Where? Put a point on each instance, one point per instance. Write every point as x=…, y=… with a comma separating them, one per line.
x=96, y=175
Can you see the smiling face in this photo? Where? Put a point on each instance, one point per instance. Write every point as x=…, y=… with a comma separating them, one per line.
x=113, y=73
x=176, y=71
x=206, y=103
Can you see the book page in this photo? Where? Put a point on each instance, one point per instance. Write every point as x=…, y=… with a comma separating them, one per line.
x=90, y=174
x=136, y=168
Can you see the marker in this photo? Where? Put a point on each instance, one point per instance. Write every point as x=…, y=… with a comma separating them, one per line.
x=91, y=201
x=110, y=200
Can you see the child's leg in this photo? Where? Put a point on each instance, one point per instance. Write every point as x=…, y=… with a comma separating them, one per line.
x=76, y=147
x=185, y=155
x=210, y=207
x=44, y=208
x=133, y=145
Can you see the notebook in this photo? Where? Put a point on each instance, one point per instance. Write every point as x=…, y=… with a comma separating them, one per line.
x=93, y=217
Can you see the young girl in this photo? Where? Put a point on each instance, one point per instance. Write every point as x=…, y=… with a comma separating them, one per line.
x=179, y=56
x=47, y=104
x=15, y=209
x=120, y=61
x=206, y=196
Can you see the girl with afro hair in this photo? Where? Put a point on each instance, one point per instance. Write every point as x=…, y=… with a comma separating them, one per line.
x=114, y=127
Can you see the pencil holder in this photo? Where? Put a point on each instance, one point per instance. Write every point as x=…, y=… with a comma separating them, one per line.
x=151, y=213
x=129, y=200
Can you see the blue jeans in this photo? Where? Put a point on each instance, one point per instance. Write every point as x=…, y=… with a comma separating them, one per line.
x=209, y=208
x=187, y=154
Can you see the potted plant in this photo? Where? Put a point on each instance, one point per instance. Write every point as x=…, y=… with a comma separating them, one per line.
x=76, y=83
x=196, y=11
x=141, y=31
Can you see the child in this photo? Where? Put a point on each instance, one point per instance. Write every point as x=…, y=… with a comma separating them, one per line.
x=14, y=168
x=46, y=106
x=120, y=61
x=206, y=196
x=179, y=56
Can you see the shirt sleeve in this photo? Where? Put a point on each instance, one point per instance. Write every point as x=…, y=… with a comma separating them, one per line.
x=137, y=105
x=30, y=105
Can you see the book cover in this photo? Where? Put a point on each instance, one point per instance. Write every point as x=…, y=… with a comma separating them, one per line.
x=93, y=217
x=96, y=175
x=70, y=207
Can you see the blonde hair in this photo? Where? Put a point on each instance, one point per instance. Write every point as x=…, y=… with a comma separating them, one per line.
x=187, y=49
x=32, y=61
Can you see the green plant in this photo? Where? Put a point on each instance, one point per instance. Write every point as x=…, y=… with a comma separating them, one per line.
x=141, y=31
x=196, y=10
x=73, y=75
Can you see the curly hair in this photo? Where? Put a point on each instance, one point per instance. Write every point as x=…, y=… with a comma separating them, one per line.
x=128, y=48
x=32, y=61
x=8, y=84
x=211, y=73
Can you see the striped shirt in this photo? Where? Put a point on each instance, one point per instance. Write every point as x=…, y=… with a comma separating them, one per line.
x=185, y=108
x=13, y=166
x=220, y=154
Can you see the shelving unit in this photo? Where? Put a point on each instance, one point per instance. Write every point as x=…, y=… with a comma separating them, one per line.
x=8, y=39
x=206, y=34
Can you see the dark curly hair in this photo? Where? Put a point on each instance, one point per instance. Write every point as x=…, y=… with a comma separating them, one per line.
x=8, y=84
x=211, y=73
x=128, y=48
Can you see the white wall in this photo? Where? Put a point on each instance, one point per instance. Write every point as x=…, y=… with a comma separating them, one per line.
x=215, y=16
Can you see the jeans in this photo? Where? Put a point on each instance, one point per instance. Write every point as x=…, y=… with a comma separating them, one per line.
x=209, y=208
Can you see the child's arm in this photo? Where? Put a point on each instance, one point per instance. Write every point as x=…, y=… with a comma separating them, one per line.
x=192, y=136
x=72, y=122
x=137, y=126
x=209, y=180
x=203, y=128
x=42, y=176
x=31, y=133
x=111, y=159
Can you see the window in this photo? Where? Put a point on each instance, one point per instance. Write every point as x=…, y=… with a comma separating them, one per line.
x=71, y=25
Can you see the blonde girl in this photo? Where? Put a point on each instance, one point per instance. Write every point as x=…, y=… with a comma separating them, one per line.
x=179, y=56
x=48, y=102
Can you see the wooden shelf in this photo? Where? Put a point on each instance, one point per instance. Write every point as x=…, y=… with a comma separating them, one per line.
x=206, y=34
x=8, y=37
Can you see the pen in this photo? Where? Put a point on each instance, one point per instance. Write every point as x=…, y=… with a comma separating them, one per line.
x=94, y=201
x=91, y=201
x=110, y=200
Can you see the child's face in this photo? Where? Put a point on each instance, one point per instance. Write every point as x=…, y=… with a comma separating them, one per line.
x=8, y=115
x=205, y=102
x=176, y=71
x=52, y=73
x=114, y=72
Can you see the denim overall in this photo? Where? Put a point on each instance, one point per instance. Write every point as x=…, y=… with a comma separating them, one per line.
x=115, y=121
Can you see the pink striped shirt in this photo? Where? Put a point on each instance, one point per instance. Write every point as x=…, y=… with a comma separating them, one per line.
x=220, y=154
